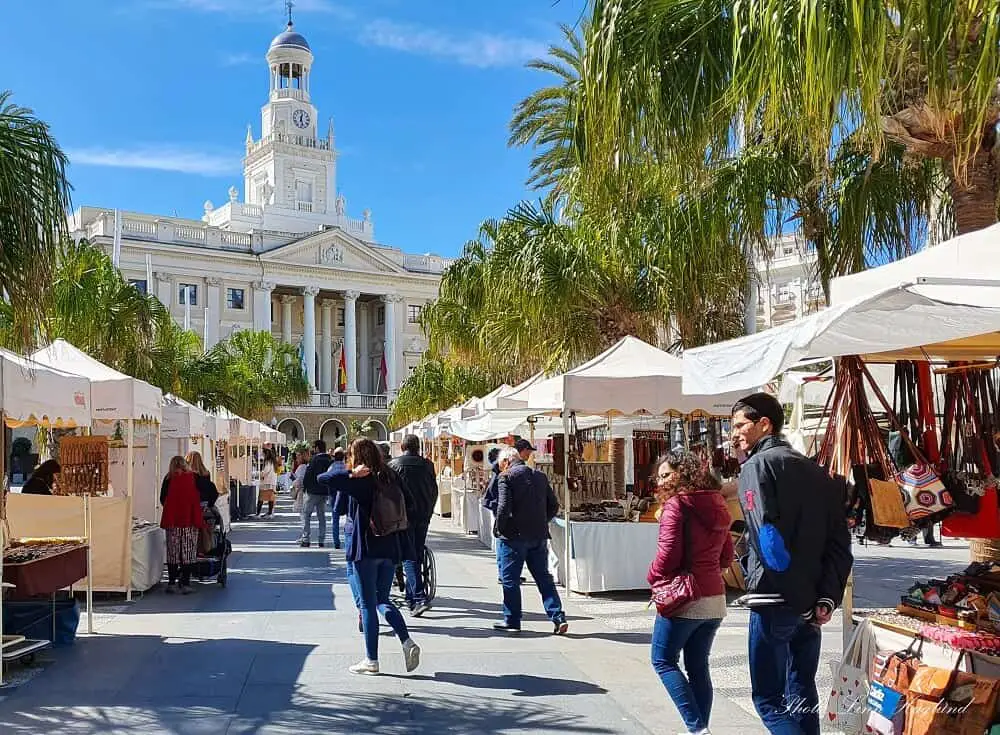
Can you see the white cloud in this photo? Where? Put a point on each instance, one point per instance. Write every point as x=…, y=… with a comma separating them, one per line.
x=241, y=59
x=157, y=158
x=254, y=7
x=474, y=49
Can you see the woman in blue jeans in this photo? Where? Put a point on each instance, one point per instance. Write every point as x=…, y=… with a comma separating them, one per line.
x=371, y=559
x=694, y=537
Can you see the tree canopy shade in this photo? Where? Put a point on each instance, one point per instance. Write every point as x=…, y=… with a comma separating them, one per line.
x=679, y=77
x=34, y=199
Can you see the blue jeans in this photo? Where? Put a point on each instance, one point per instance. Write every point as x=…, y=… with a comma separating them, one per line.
x=334, y=525
x=310, y=504
x=370, y=581
x=784, y=656
x=511, y=558
x=415, y=592
x=692, y=694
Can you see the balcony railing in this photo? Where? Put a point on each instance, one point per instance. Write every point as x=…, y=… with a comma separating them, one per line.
x=356, y=401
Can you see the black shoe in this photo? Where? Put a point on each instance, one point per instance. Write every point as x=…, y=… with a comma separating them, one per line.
x=935, y=545
x=336, y=546
x=560, y=627
x=507, y=628
x=321, y=544
x=304, y=544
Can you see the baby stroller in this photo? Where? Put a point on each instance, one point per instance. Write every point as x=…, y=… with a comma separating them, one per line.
x=214, y=548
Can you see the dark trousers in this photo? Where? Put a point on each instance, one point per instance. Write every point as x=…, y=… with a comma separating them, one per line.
x=511, y=558
x=784, y=657
x=416, y=594
x=182, y=571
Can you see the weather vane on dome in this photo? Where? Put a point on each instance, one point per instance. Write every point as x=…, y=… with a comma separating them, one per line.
x=289, y=4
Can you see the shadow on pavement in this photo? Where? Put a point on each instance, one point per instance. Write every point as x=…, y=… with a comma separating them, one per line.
x=522, y=685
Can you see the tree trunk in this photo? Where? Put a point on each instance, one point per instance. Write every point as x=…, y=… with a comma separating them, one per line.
x=976, y=202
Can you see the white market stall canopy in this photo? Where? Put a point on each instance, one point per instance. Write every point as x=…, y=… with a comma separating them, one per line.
x=814, y=388
x=895, y=323
x=114, y=394
x=631, y=377
x=33, y=393
x=517, y=397
x=970, y=256
x=182, y=420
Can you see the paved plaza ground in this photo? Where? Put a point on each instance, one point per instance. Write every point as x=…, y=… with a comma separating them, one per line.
x=269, y=654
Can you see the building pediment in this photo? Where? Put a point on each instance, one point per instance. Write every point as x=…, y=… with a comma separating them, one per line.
x=332, y=249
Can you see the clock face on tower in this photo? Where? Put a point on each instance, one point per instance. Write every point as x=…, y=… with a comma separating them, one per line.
x=300, y=118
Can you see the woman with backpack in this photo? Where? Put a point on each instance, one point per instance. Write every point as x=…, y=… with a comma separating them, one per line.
x=372, y=497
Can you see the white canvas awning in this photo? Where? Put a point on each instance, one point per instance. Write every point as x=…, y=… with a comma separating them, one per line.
x=33, y=393
x=517, y=397
x=631, y=377
x=896, y=323
x=183, y=420
x=970, y=256
x=114, y=394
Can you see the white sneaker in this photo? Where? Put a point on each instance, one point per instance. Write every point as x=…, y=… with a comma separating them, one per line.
x=365, y=666
x=411, y=653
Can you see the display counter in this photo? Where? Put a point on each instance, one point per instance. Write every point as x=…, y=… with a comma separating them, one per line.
x=443, y=505
x=149, y=555
x=486, y=520
x=33, y=516
x=464, y=508
x=604, y=557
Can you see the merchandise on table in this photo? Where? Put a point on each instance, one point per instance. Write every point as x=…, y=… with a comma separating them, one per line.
x=43, y=566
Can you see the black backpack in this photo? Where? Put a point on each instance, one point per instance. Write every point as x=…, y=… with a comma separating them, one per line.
x=388, y=514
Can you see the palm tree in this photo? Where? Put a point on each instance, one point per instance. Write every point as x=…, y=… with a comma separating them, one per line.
x=248, y=373
x=436, y=385
x=683, y=78
x=34, y=199
x=546, y=118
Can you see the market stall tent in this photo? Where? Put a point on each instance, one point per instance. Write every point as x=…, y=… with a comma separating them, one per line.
x=967, y=257
x=33, y=393
x=895, y=323
x=631, y=377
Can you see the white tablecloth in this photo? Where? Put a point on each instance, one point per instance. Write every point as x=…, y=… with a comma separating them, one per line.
x=486, y=519
x=465, y=509
x=149, y=555
x=605, y=556
x=443, y=505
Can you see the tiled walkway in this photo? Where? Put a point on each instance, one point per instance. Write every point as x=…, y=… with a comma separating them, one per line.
x=269, y=654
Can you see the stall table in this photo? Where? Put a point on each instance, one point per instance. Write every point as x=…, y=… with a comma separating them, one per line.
x=486, y=520
x=149, y=555
x=605, y=556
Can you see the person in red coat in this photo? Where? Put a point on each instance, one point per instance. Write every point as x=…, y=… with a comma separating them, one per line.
x=694, y=537
x=182, y=519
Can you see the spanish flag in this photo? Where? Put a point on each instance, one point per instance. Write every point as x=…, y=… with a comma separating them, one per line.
x=342, y=372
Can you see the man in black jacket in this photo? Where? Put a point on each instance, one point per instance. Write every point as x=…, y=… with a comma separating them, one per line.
x=525, y=506
x=797, y=564
x=419, y=481
x=315, y=496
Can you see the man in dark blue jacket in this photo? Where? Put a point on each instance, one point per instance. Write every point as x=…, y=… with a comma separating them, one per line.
x=796, y=567
x=525, y=506
x=419, y=480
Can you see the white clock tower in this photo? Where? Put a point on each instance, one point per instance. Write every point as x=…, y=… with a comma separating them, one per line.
x=290, y=168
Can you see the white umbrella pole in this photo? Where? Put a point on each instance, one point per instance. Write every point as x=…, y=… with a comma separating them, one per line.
x=131, y=489
x=566, y=449
x=87, y=530
x=157, y=511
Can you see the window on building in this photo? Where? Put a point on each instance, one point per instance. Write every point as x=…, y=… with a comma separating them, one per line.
x=380, y=316
x=413, y=313
x=340, y=317
x=182, y=293
x=140, y=285
x=234, y=298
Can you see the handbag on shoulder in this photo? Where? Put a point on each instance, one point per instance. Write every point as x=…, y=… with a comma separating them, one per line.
x=670, y=595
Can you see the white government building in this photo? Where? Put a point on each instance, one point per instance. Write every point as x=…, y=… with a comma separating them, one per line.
x=288, y=258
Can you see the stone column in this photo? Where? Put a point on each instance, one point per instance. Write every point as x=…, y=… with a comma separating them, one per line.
x=351, y=339
x=213, y=311
x=286, y=317
x=262, y=305
x=165, y=289
x=326, y=382
x=309, y=333
x=364, y=351
x=391, y=342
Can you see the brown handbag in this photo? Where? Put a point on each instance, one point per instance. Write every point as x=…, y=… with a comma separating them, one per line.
x=950, y=702
x=887, y=504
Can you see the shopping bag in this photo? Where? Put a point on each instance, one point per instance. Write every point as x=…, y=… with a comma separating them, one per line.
x=847, y=707
x=924, y=494
x=887, y=504
x=887, y=710
x=985, y=523
x=950, y=702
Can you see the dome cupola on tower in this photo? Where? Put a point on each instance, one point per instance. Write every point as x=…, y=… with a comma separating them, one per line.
x=290, y=38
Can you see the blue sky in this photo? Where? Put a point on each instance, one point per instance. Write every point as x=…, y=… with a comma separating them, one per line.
x=151, y=99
